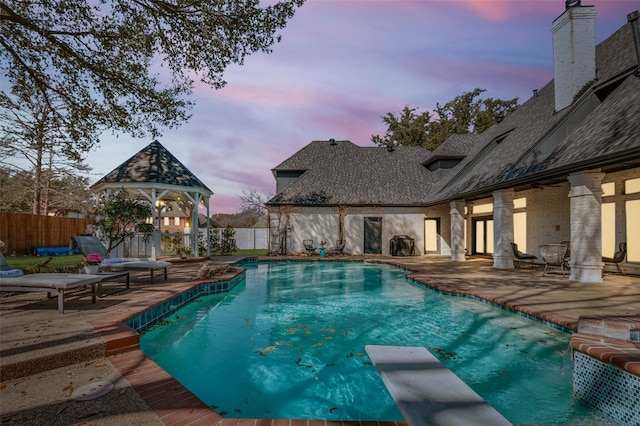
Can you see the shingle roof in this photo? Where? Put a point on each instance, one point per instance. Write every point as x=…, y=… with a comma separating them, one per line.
x=347, y=174
x=456, y=146
x=532, y=143
x=608, y=132
x=153, y=164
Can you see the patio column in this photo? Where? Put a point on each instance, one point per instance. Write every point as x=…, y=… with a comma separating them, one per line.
x=457, y=231
x=586, y=226
x=503, y=228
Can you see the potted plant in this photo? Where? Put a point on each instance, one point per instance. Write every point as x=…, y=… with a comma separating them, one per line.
x=91, y=263
x=323, y=248
x=183, y=251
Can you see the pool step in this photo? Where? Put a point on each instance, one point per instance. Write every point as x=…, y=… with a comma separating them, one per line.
x=118, y=337
x=427, y=392
x=621, y=328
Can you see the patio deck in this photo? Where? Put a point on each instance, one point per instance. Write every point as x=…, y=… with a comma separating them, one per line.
x=45, y=356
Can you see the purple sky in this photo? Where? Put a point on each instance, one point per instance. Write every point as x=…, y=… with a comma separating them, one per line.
x=341, y=66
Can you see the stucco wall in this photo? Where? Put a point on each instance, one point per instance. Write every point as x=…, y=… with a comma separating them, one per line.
x=322, y=223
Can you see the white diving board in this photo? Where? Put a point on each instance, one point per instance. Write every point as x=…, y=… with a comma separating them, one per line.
x=428, y=393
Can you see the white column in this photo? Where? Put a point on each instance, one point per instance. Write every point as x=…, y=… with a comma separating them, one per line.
x=586, y=226
x=457, y=231
x=503, y=229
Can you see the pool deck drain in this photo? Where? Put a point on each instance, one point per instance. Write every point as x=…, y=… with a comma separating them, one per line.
x=44, y=355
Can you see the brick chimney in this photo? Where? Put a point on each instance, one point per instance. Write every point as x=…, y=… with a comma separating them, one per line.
x=574, y=51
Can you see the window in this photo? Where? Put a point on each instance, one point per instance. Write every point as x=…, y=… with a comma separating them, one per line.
x=520, y=203
x=631, y=186
x=176, y=221
x=520, y=230
x=482, y=208
x=608, y=189
x=289, y=173
x=608, y=229
x=633, y=230
x=166, y=221
x=443, y=163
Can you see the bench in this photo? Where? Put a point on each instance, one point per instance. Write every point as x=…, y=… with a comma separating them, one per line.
x=427, y=392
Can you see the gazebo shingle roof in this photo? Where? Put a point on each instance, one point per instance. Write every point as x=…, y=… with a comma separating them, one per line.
x=153, y=164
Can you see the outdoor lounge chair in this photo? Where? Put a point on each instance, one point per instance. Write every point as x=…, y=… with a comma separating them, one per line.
x=617, y=257
x=339, y=248
x=553, y=256
x=58, y=283
x=309, y=247
x=90, y=244
x=523, y=257
x=51, y=283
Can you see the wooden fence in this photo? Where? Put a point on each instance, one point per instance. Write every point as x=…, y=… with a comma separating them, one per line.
x=22, y=233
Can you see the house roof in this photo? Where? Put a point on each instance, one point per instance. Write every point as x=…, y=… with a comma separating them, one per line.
x=152, y=166
x=346, y=174
x=536, y=144
x=532, y=145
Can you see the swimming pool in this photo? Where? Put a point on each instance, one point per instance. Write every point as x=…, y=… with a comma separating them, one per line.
x=289, y=343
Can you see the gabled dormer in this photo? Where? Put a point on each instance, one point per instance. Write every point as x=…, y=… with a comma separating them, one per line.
x=284, y=178
x=440, y=165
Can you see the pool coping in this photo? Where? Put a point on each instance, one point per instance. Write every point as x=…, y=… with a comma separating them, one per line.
x=122, y=350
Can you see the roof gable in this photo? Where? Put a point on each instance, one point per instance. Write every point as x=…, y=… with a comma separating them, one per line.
x=346, y=174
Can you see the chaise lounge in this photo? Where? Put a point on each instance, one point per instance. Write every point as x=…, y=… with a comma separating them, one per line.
x=89, y=244
x=50, y=283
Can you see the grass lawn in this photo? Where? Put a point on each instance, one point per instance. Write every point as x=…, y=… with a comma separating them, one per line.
x=32, y=264
x=56, y=264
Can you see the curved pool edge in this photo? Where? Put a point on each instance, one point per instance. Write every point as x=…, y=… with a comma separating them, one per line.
x=549, y=318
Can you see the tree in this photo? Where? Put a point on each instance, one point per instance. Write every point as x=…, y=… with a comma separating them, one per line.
x=252, y=199
x=464, y=114
x=119, y=217
x=409, y=129
x=127, y=65
x=41, y=147
x=228, y=241
x=13, y=198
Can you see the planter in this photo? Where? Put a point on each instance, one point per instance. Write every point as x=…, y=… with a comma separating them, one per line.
x=91, y=269
x=323, y=252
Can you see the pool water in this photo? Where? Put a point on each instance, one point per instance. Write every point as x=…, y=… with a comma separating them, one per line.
x=289, y=342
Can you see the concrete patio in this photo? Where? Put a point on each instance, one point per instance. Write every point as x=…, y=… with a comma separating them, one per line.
x=45, y=356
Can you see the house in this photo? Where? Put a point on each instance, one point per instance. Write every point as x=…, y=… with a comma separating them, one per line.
x=565, y=166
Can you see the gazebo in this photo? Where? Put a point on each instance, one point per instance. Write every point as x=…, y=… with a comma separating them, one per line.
x=157, y=176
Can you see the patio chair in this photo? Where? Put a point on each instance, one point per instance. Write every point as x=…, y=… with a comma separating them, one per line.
x=553, y=257
x=617, y=257
x=523, y=257
x=338, y=249
x=88, y=244
x=309, y=247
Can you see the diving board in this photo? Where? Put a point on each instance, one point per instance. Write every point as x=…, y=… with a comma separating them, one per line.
x=428, y=393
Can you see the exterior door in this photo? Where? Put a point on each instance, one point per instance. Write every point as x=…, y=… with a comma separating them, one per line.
x=432, y=236
x=372, y=235
x=483, y=236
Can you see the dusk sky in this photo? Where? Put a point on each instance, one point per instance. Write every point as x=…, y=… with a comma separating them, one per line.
x=341, y=66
